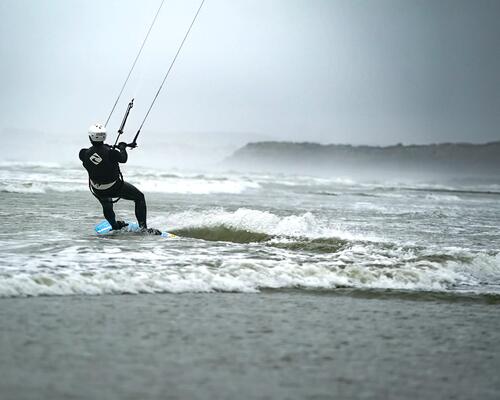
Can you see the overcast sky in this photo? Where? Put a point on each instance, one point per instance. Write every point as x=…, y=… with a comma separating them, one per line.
x=333, y=71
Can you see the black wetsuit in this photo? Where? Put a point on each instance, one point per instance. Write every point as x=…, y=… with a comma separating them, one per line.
x=101, y=162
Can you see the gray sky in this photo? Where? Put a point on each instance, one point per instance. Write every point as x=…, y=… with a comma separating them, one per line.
x=334, y=71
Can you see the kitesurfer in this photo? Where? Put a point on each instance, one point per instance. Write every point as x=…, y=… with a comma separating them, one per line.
x=106, y=181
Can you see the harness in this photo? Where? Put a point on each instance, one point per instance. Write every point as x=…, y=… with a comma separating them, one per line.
x=121, y=181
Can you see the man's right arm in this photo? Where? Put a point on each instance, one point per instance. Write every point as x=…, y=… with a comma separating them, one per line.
x=120, y=155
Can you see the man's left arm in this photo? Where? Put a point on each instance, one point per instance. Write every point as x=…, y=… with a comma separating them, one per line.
x=81, y=154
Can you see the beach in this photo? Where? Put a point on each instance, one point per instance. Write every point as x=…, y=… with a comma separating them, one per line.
x=272, y=345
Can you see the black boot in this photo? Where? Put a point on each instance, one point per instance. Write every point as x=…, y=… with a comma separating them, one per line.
x=119, y=225
x=151, y=231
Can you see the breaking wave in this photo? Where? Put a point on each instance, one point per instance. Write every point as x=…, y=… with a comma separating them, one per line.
x=222, y=234
x=249, y=275
x=246, y=251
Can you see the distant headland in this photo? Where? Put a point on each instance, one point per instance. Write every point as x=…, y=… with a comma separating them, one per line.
x=433, y=160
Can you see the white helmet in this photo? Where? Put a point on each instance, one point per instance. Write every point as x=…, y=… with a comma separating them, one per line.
x=97, y=133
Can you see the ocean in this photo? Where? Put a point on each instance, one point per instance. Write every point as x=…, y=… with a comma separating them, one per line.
x=276, y=286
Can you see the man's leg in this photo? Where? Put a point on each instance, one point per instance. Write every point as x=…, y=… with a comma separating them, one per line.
x=130, y=192
x=107, y=209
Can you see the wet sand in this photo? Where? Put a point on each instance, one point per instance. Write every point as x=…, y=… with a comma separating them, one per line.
x=272, y=345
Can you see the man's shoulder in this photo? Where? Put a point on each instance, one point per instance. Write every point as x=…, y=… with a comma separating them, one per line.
x=82, y=153
x=103, y=147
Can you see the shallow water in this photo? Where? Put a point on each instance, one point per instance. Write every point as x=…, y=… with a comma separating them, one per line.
x=287, y=344
x=247, y=233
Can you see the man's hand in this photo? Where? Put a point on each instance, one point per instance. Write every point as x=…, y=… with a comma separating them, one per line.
x=122, y=145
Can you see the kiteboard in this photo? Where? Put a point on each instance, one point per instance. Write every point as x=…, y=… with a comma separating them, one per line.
x=104, y=227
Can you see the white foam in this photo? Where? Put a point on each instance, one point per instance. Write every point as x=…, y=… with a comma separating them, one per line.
x=187, y=265
x=195, y=186
x=42, y=188
x=442, y=197
x=26, y=179
x=42, y=164
x=307, y=224
x=111, y=273
x=303, y=225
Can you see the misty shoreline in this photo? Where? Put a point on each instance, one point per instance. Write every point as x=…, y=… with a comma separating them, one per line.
x=444, y=160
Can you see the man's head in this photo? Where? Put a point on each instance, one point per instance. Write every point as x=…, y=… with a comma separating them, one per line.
x=97, y=133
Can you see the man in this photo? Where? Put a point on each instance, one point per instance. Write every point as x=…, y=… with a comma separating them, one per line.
x=106, y=180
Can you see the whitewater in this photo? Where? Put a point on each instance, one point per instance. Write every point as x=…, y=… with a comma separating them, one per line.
x=247, y=233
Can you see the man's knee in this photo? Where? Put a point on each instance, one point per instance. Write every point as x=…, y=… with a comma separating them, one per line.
x=106, y=204
x=140, y=197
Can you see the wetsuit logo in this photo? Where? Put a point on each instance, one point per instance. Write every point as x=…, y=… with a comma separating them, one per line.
x=95, y=158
